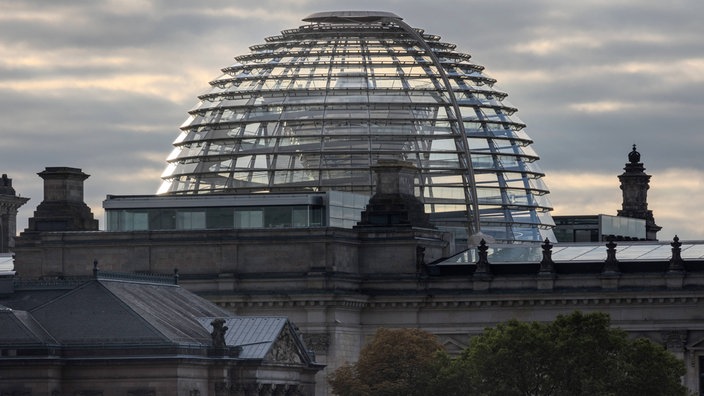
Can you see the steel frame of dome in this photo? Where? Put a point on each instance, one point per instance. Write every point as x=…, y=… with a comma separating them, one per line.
x=316, y=107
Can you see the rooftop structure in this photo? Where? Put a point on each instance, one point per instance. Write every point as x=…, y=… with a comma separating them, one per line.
x=595, y=228
x=316, y=107
x=63, y=208
x=633, y=222
x=141, y=335
x=634, y=185
x=226, y=211
x=9, y=204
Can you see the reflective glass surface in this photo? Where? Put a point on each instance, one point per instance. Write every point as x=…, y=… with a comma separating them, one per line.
x=313, y=109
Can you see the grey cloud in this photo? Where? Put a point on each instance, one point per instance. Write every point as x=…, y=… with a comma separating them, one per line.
x=95, y=129
x=90, y=130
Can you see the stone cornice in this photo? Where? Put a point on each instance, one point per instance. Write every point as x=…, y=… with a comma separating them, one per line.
x=443, y=302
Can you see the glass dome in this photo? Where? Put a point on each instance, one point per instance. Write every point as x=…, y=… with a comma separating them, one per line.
x=316, y=107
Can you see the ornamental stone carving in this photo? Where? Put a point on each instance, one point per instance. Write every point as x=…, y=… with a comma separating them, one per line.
x=675, y=340
x=218, y=333
x=284, y=349
x=317, y=342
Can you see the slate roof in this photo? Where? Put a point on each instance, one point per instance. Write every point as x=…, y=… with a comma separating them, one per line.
x=102, y=317
x=19, y=329
x=26, y=300
x=170, y=310
x=110, y=312
x=254, y=334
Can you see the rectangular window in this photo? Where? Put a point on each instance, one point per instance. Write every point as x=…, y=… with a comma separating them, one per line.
x=299, y=217
x=219, y=218
x=133, y=221
x=249, y=218
x=190, y=220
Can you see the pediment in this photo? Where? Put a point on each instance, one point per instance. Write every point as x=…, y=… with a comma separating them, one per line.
x=285, y=349
x=454, y=345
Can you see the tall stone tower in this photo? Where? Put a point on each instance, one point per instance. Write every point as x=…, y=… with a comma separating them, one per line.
x=63, y=208
x=9, y=203
x=635, y=184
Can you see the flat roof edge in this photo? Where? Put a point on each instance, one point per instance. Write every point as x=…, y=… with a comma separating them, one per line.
x=214, y=200
x=350, y=16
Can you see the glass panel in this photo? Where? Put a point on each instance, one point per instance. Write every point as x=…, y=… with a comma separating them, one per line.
x=252, y=218
x=190, y=220
x=316, y=107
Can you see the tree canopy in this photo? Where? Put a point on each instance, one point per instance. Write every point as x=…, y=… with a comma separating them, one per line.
x=397, y=362
x=577, y=354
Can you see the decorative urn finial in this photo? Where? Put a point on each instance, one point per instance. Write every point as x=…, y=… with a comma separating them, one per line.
x=634, y=156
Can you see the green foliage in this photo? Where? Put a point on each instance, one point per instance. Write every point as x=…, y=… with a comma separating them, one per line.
x=510, y=359
x=648, y=369
x=577, y=354
x=397, y=362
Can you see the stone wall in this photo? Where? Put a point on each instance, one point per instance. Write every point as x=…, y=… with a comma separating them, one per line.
x=338, y=286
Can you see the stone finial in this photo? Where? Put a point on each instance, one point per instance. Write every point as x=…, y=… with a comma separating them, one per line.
x=676, y=262
x=611, y=263
x=6, y=185
x=218, y=333
x=483, y=261
x=634, y=156
x=547, y=266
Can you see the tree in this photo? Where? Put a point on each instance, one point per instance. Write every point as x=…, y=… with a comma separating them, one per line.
x=577, y=354
x=511, y=359
x=397, y=362
x=648, y=369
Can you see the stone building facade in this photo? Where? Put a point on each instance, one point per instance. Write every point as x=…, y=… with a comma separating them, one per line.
x=340, y=285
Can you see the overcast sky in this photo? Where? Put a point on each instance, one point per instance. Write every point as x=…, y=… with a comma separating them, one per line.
x=104, y=86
